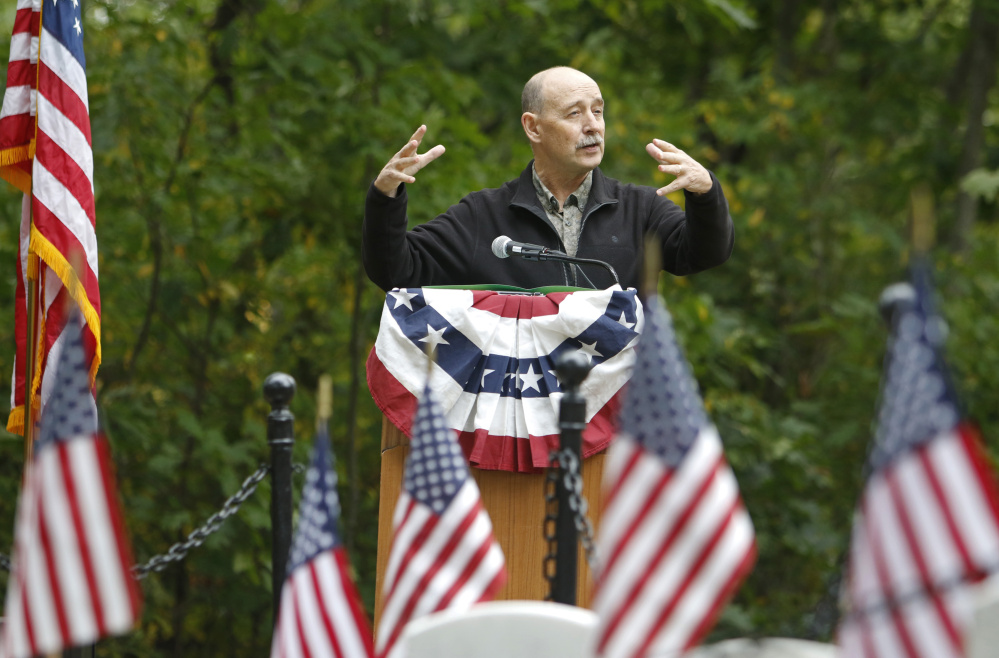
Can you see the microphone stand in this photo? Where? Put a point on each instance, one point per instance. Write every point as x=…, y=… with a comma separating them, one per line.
x=558, y=256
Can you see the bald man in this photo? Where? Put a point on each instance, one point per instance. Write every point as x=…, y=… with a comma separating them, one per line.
x=561, y=200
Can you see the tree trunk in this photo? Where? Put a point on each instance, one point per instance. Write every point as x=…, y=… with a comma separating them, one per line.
x=984, y=27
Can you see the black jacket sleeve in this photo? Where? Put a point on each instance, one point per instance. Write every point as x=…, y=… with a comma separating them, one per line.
x=696, y=239
x=434, y=253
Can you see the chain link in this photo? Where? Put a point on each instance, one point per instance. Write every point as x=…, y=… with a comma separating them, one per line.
x=4, y=562
x=550, y=563
x=179, y=550
x=573, y=482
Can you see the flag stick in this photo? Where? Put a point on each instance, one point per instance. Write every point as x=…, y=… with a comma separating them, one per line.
x=34, y=266
x=324, y=406
x=29, y=355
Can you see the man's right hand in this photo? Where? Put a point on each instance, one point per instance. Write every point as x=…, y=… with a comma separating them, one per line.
x=405, y=163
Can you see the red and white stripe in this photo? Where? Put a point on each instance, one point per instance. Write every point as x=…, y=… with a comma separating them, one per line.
x=72, y=581
x=321, y=613
x=674, y=544
x=927, y=525
x=17, y=126
x=441, y=562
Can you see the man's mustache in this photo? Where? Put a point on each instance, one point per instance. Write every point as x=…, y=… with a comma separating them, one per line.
x=592, y=140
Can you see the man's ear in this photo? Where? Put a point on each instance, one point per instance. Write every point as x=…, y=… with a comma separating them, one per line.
x=529, y=121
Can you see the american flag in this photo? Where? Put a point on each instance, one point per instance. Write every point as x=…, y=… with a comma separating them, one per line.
x=674, y=538
x=443, y=552
x=45, y=151
x=927, y=523
x=71, y=581
x=321, y=613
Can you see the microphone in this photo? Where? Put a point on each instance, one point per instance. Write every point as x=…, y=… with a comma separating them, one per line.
x=504, y=247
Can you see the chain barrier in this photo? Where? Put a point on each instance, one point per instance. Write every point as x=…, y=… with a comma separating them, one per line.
x=578, y=504
x=573, y=482
x=180, y=550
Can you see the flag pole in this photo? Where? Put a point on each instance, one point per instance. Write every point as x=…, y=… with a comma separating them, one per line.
x=34, y=268
x=324, y=406
x=29, y=349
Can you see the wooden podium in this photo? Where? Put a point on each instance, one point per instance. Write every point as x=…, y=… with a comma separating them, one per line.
x=516, y=505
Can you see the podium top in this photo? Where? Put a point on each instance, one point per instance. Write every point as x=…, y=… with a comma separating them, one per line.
x=545, y=290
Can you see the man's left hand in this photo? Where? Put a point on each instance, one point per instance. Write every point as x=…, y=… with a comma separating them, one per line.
x=690, y=175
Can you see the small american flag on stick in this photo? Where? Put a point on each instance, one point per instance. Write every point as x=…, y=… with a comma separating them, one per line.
x=71, y=581
x=927, y=524
x=674, y=535
x=321, y=613
x=443, y=552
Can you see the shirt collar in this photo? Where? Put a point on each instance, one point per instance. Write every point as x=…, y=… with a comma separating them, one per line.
x=577, y=198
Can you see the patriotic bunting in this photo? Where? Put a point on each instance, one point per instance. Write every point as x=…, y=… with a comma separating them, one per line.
x=494, y=374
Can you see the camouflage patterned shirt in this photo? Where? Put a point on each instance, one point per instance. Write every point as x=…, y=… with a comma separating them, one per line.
x=569, y=221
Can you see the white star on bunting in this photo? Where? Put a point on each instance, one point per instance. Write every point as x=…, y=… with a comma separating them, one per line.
x=624, y=322
x=434, y=337
x=402, y=298
x=530, y=379
x=590, y=350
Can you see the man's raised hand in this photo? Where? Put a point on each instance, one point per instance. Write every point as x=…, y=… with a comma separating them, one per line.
x=405, y=163
x=690, y=175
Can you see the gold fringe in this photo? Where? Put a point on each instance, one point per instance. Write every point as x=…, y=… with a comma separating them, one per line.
x=36, y=379
x=57, y=262
x=15, y=154
x=15, y=421
x=18, y=178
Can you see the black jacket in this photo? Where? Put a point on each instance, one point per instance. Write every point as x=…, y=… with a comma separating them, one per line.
x=455, y=248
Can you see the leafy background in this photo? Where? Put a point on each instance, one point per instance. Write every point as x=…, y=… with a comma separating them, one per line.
x=234, y=141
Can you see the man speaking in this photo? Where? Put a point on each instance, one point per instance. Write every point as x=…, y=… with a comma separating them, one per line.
x=561, y=201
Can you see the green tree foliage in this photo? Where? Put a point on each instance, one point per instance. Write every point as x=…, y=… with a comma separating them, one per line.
x=234, y=141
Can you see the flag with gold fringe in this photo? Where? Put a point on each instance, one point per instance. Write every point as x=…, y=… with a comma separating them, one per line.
x=45, y=151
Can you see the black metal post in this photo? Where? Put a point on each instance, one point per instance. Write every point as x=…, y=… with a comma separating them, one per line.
x=572, y=370
x=279, y=389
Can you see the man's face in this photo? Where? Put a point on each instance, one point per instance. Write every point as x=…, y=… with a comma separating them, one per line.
x=571, y=124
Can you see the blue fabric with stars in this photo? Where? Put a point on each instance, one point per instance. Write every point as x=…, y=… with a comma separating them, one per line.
x=435, y=467
x=662, y=409
x=71, y=411
x=319, y=512
x=918, y=402
x=481, y=372
x=63, y=20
